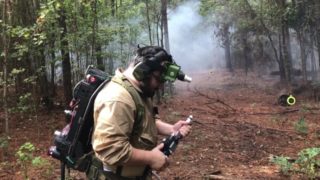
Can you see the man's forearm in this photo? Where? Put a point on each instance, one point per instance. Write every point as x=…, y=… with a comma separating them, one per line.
x=139, y=157
x=164, y=128
x=154, y=158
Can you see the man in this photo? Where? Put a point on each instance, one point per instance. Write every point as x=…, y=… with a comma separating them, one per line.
x=126, y=146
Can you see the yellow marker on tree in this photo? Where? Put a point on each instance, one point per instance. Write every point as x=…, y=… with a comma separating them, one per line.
x=291, y=100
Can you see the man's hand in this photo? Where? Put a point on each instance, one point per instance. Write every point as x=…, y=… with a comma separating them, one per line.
x=159, y=161
x=183, y=127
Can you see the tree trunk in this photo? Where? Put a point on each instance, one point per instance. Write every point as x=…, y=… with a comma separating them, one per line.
x=318, y=44
x=302, y=55
x=96, y=46
x=52, y=64
x=100, y=64
x=316, y=9
x=285, y=43
x=66, y=66
x=113, y=8
x=110, y=63
x=148, y=21
x=23, y=16
x=268, y=32
x=286, y=51
x=165, y=44
x=164, y=5
x=43, y=81
x=6, y=17
x=281, y=61
x=94, y=25
x=313, y=58
x=227, y=44
x=52, y=70
x=246, y=50
x=161, y=32
x=157, y=29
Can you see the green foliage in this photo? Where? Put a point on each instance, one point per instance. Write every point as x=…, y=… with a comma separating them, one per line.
x=44, y=165
x=301, y=126
x=283, y=163
x=16, y=71
x=29, y=39
x=24, y=105
x=30, y=80
x=39, y=162
x=25, y=157
x=4, y=142
x=308, y=162
x=25, y=152
x=4, y=145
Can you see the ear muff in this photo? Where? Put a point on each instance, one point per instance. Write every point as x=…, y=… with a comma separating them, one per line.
x=141, y=71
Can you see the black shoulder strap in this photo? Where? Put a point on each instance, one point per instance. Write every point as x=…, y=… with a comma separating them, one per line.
x=140, y=110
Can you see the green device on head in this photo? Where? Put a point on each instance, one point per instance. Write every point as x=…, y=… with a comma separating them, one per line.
x=171, y=72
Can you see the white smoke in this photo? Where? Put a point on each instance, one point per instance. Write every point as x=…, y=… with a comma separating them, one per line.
x=191, y=40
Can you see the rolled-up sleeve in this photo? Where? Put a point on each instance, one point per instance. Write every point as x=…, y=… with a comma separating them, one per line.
x=113, y=126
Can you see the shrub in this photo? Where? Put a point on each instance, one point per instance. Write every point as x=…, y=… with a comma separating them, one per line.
x=283, y=163
x=301, y=126
x=307, y=163
x=25, y=157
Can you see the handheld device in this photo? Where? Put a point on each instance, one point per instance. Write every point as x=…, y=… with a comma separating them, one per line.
x=171, y=142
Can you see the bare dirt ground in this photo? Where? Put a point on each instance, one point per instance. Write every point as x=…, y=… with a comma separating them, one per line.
x=239, y=125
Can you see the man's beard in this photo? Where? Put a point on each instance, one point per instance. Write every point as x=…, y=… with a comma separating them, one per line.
x=145, y=88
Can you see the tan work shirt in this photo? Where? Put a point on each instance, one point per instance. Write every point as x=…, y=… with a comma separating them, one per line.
x=114, y=115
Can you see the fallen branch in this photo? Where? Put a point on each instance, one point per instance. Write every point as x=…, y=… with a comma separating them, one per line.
x=273, y=113
x=218, y=177
x=217, y=100
x=255, y=126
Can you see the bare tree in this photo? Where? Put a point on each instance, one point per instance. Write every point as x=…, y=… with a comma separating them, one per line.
x=148, y=21
x=6, y=17
x=66, y=66
x=227, y=45
x=164, y=15
x=96, y=45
